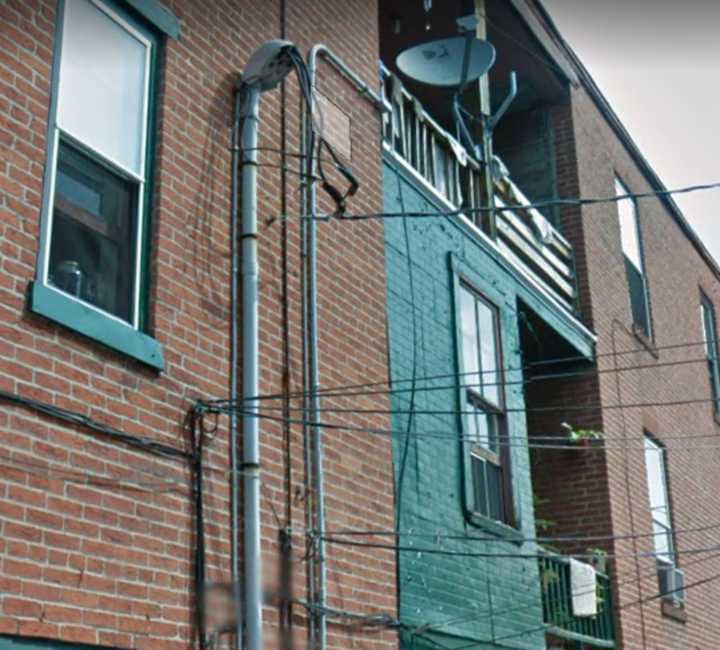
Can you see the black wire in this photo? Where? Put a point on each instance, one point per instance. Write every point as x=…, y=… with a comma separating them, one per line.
x=137, y=442
x=518, y=540
x=454, y=435
x=515, y=409
x=200, y=578
x=406, y=442
x=515, y=382
x=507, y=556
x=540, y=205
x=509, y=369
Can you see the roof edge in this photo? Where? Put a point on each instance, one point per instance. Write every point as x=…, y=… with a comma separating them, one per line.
x=611, y=116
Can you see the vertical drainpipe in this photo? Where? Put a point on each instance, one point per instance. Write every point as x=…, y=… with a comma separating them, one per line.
x=313, y=367
x=235, y=477
x=250, y=387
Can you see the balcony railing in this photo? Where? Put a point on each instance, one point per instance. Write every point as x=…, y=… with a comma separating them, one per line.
x=523, y=234
x=596, y=631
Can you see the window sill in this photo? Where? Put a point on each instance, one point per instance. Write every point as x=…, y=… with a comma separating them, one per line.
x=494, y=527
x=672, y=611
x=89, y=322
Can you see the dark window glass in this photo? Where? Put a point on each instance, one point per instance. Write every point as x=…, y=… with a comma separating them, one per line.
x=92, y=254
x=707, y=317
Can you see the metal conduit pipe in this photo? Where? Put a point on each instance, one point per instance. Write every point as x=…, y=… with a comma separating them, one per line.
x=310, y=326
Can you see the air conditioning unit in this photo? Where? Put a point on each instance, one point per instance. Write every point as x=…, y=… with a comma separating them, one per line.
x=672, y=584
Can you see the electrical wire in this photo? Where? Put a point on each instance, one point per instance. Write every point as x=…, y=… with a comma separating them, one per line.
x=515, y=382
x=138, y=442
x=518, y=540
x=509, y=556
x=513, y=409
x=539, y=205
x=454, y=436
x=503, y=370
x=413, y=386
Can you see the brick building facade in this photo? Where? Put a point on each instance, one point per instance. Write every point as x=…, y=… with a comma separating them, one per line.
x=606, y=492
x=98, y=464
x=98, y=536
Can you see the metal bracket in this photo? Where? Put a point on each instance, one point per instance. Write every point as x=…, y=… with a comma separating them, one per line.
x=493, y=120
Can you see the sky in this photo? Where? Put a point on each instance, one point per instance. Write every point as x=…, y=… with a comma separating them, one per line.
x=658, y=64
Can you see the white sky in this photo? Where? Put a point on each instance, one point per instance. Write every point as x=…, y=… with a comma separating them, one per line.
x=658, y=64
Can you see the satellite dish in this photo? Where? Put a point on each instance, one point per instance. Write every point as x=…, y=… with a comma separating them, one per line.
x=440, y=63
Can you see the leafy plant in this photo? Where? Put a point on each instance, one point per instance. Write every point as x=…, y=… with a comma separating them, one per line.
x=576, y=435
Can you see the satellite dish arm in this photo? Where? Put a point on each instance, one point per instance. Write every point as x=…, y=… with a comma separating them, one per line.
x=493, y=120
x=457, y=107
x=464, y=134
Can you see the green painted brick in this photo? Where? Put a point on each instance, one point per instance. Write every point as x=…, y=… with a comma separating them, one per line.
x=453, y=594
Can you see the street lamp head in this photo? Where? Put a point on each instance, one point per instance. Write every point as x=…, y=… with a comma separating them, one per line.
x=268, y=65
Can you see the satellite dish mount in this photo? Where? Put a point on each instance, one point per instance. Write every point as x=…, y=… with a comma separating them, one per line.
x=455, y=62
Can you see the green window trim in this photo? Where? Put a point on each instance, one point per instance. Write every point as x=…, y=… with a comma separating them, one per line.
x=157, y=15
x=94, y=324
x=709, y=326
x=153, y=21
x=460, y=275
x=32, y=643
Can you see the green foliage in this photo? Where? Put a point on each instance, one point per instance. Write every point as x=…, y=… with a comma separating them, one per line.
x=575, y=435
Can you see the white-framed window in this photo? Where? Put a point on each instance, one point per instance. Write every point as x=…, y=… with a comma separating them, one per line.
x=656, y=469
x=96, y=206
x=634, y=265
x=484, y=404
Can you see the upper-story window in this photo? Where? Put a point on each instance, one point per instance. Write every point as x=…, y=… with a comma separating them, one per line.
x=92, y=261
x=671, y=578
x=93, y=229
x=634, y=267
x=709, y=330
x=655, y=466
x=484, y=404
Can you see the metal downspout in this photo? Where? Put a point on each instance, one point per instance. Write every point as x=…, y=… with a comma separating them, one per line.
x=234, y=290
x=250, y=385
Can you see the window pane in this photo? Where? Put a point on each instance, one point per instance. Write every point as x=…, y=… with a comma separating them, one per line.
x=488, y=353
x=480, y=481
x=638, y=297
x=93, y=234
x=484, y=431
x=469, y=340
x=663, y=542
x=655, y=475
x=494, y=488
x=708, y=327
x=102, y=84
x=659, y=502
x=627, y=214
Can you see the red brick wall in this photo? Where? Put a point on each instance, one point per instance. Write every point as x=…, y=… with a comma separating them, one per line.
x=607, y=493
x=110, y=563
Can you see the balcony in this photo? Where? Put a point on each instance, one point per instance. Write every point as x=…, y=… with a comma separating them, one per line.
x=596, y=631
x=435, y=158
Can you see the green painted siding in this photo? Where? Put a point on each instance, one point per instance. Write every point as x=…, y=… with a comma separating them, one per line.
x=454, y=593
